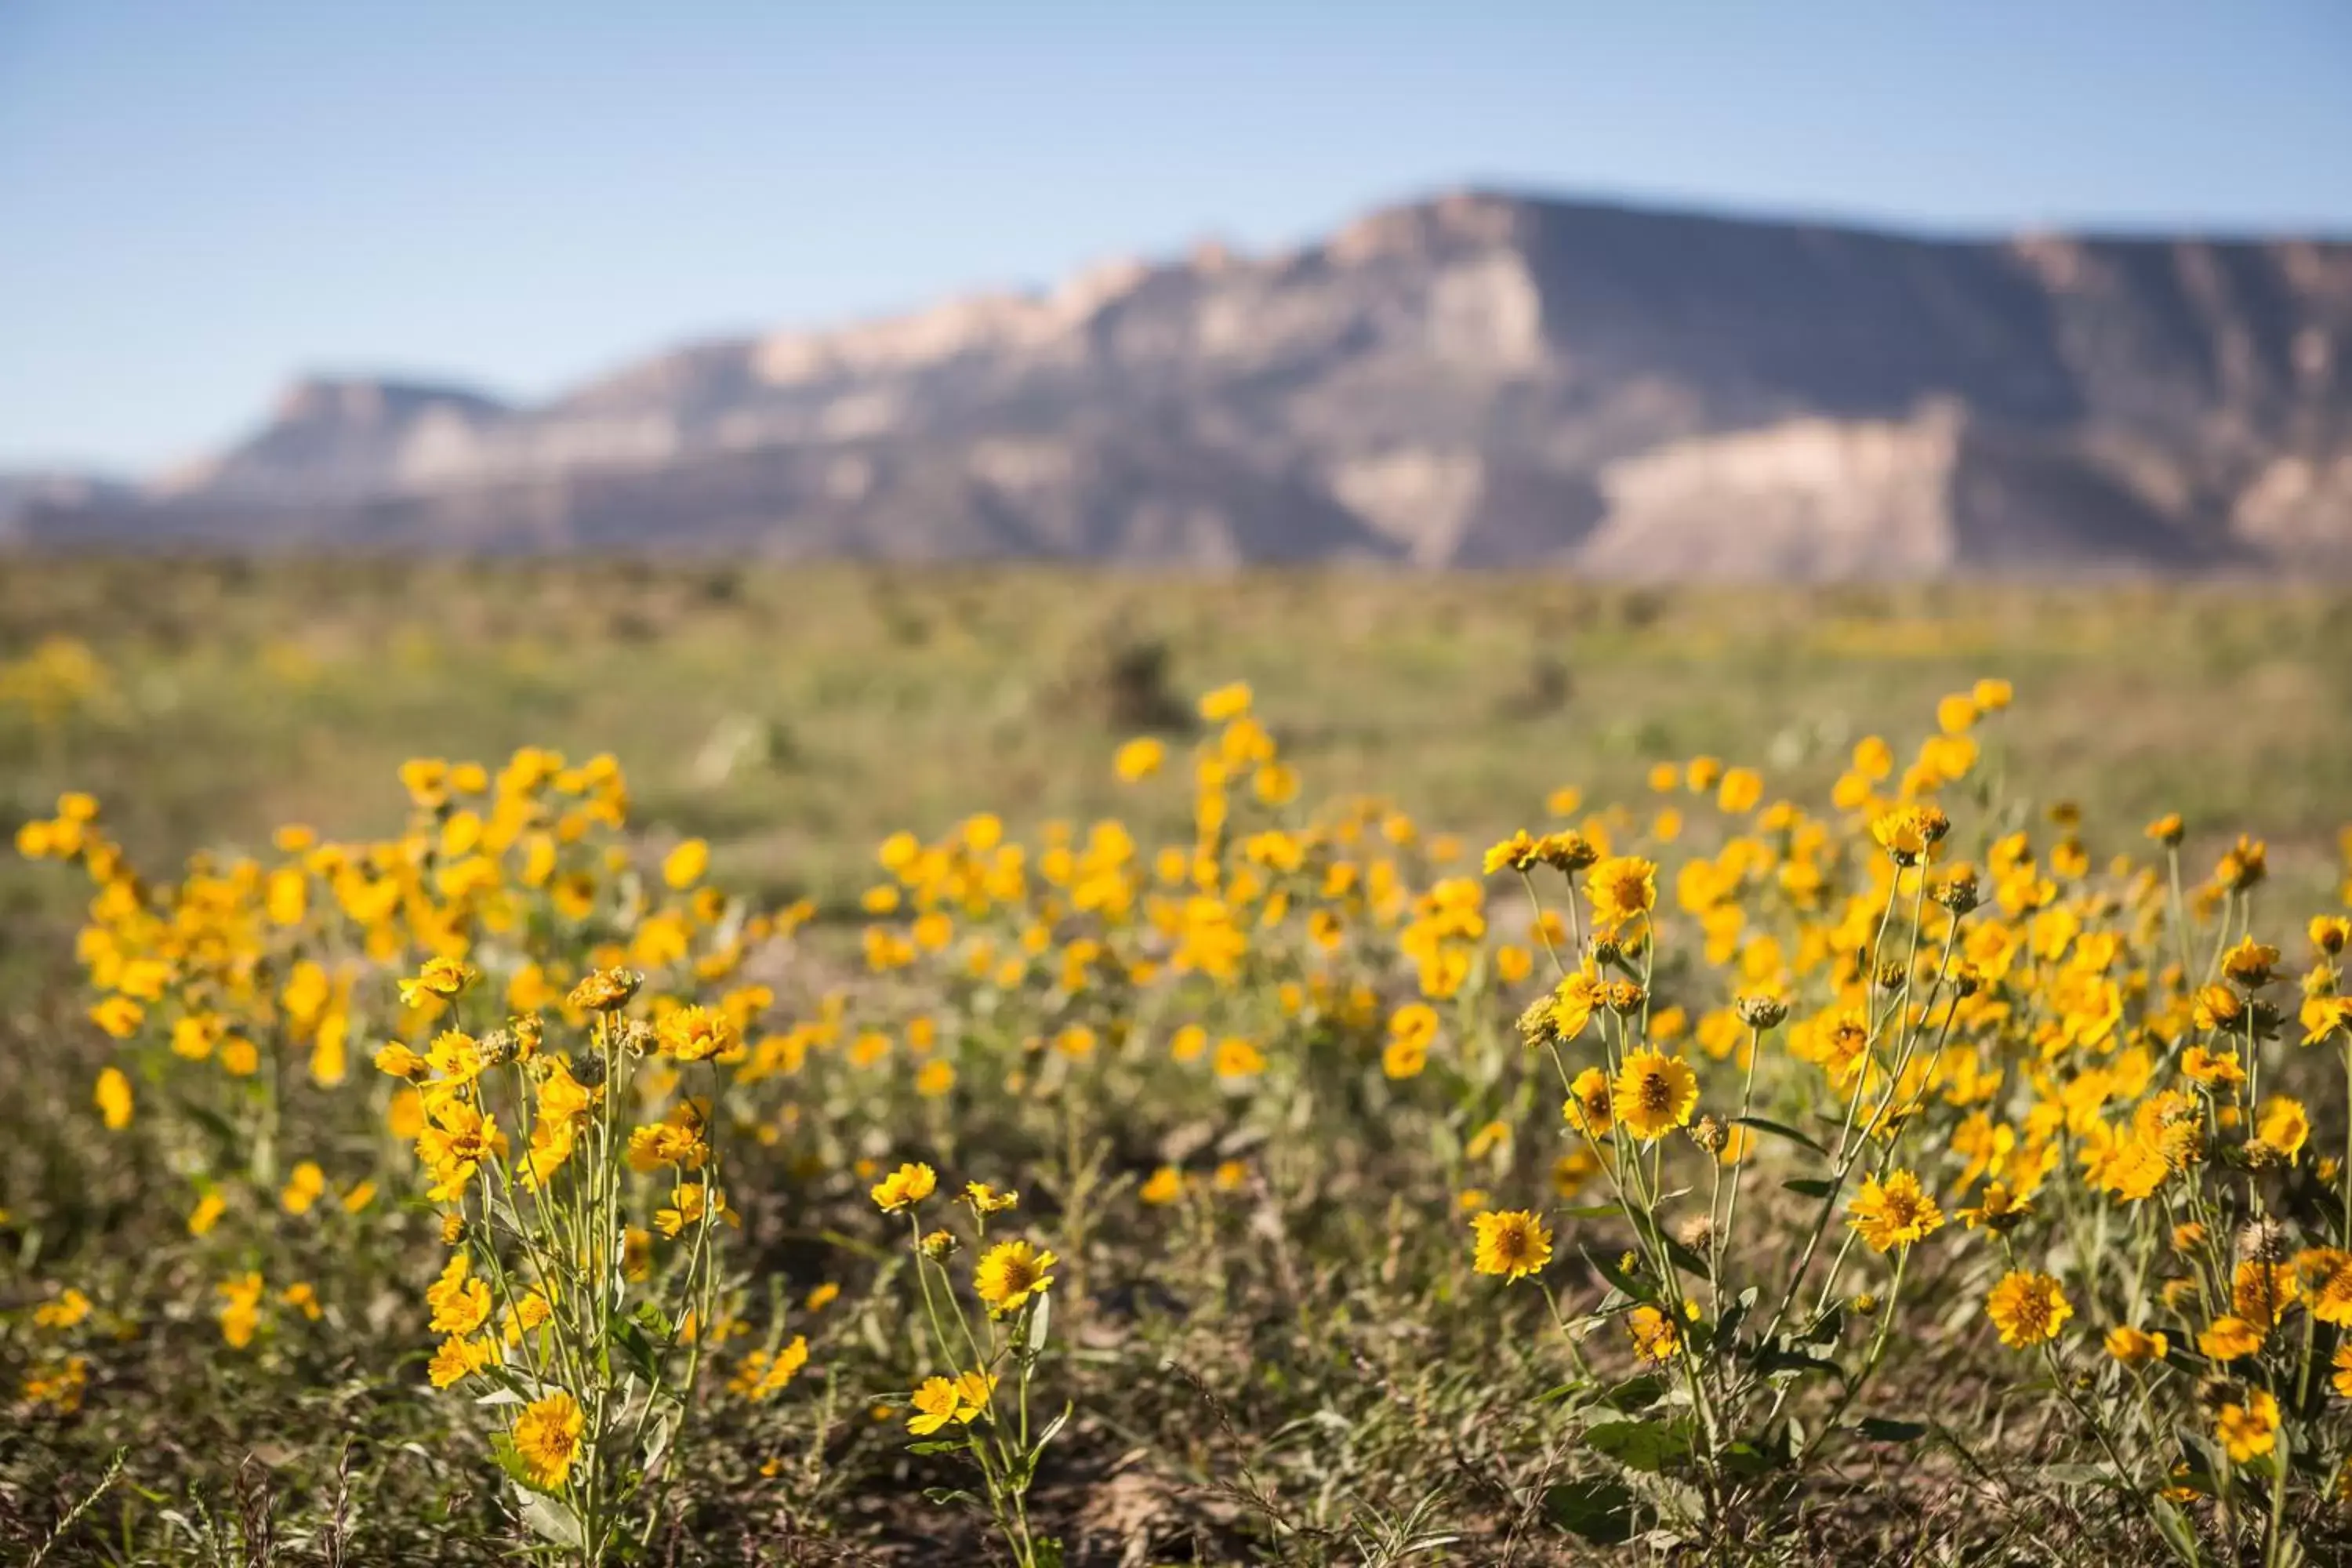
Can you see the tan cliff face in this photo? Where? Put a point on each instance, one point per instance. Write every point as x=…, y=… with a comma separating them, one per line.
x=1478, y=379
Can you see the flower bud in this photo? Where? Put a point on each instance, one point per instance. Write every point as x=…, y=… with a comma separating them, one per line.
x=603, y=990
x=1958, y=892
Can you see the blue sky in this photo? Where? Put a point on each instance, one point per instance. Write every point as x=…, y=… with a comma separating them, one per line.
x=203, y=197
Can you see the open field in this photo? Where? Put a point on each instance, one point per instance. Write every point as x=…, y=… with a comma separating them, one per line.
x=1277, y=1068
x=794, y=717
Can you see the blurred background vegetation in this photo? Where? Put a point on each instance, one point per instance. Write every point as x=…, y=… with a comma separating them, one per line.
x=794, y=716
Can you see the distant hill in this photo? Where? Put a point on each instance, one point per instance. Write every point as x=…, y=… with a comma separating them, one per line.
x=1484, y=380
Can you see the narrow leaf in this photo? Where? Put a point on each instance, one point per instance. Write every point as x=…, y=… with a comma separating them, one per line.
x=1048, y=1434
x=1041, y=1318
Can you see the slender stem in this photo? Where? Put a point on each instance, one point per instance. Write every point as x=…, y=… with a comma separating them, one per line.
x=1870, y=1362
x=1747, y=1103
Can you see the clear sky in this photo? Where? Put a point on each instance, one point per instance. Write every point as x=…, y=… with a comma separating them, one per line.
x=201, y=198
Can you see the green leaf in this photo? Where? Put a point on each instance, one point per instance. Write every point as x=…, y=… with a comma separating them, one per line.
x=1809, y=1186
x=2176, y=1530
x=1728, y=1326
x=2202, y=1469
x=936, y=1446
x=1881, y=1430
x=639, y=1349
x=1635, y=1394
x=662, y=1429
x=552, y=1519
x=1598, y=1510
x=1041, y=1318
x=1782, y=1130
x=1683, y=1259
x=1747, y=1461
x=1589, y=1211
x=1048, y=1434
x=502, y=1451
x=1616, y=1276
x=1784, y=1359
x=1647, y=1446
x=943, y=1496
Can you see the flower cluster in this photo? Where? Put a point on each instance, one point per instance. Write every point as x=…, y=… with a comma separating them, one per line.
x=2091, y=1064
x=1916, y=1064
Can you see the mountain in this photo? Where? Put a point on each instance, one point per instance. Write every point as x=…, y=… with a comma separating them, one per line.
x=1481, y=380
x=56, y=489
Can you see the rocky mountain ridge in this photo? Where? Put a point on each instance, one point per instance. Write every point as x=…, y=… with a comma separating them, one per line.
x=1478, y=380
